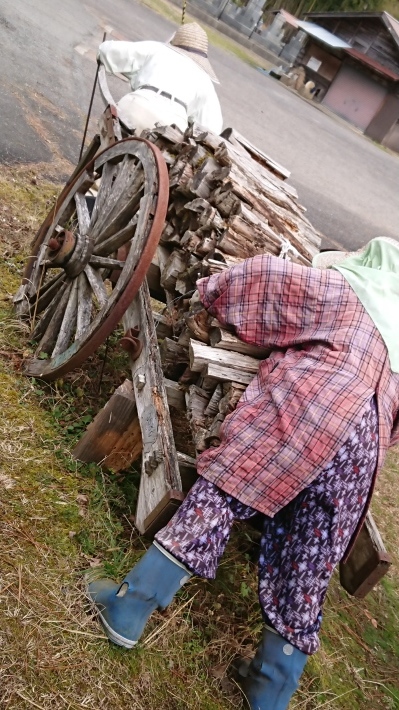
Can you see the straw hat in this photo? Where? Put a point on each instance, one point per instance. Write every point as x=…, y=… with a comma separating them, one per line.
x=192, y=41
x=327, y=259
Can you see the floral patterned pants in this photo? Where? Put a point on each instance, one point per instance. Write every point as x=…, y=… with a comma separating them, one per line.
x=300, y=546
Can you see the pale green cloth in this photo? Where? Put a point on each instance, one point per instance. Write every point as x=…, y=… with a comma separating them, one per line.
x=374, y=276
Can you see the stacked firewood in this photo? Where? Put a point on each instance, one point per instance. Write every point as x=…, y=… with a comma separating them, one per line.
x=228, y=201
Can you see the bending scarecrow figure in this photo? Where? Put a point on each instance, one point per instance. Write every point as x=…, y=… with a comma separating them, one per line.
x=303, y=448
x=171, y=83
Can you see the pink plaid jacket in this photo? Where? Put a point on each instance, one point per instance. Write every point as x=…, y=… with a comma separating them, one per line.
x=328, y=360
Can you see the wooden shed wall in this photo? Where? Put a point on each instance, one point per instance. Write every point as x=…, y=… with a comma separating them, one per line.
x=367, y=35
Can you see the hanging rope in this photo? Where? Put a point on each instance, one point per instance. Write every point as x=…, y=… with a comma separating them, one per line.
x=183, y=12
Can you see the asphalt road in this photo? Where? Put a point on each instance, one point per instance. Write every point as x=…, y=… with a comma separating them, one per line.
x=348, y=184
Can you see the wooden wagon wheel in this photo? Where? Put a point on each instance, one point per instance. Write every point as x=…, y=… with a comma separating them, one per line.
x=66, y=292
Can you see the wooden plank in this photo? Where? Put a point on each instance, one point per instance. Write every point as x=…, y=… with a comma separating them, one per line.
x=161, y=514
x=188, y=470
x=367, y=563
x=212, y=408
x=232, y=393
x=113, y=438
x=160, y=476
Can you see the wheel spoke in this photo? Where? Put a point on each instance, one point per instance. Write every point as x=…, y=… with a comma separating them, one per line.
x=46, y=294
x=120, y=216
x=97, y=285
x=104, y=262
x=50, y=336
x=68, y=324
x=123, y=199
x=107, y=178
x=82, y=212
x=46, y=318
x=67, y=209
x=84, y=306
x=37, y=274
x=112, y=244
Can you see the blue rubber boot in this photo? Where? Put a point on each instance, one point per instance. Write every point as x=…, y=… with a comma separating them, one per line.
x=124, y=608
x=272, y=677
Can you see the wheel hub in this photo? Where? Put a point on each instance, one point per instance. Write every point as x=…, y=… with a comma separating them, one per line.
x=70, y=251
x=61, y=248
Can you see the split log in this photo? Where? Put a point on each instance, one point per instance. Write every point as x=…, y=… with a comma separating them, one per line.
x=197, y=401
x=237, y=139
x=232, y=393
x=212, y=407
x=174, y=267
x=174, y=357
x=214, y=373
x=212, y=437
x=163, y=325
x=224, y=340
x=201, y=356
x=175, y=393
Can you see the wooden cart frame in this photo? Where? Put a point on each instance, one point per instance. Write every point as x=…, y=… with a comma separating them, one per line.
x=136, y=422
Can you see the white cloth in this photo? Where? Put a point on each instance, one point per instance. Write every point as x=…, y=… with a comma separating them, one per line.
x=141, y=110
x=158, y=65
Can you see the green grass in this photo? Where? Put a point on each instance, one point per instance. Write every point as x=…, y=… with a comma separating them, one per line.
x=59, y=519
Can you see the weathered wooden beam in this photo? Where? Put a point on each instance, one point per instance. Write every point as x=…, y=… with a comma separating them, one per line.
x=188, y=470
x=367, y=563
x=113, y=438
x=160, y=483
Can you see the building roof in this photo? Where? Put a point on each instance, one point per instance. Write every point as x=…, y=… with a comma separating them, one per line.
x=290, y=19
x=390, y=22
x=322, y=34
x=372, y=64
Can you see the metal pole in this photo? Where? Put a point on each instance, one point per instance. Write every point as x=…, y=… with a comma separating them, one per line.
x=90, y=107
x=222, y=10
x=255, y=27
x=183, y=12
